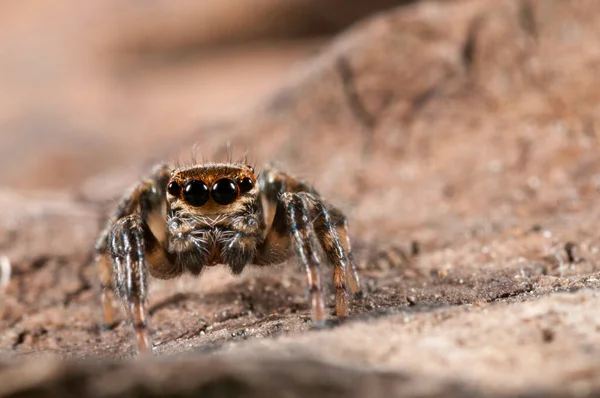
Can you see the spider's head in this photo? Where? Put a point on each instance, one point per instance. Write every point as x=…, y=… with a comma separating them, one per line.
x=216, y=188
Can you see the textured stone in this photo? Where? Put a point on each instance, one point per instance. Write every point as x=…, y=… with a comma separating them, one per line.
x=467, y=127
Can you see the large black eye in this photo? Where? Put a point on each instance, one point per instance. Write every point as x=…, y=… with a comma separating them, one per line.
x=245, y=184
x=196, y=193
x=173, y=188
x=224, y=191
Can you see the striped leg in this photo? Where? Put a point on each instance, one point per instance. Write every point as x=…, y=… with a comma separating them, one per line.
x=328, y=238
x=341, y=225
x=127, y=249
x=123, y=249
x=297, y=214
x=329, y=224
x=135, y=252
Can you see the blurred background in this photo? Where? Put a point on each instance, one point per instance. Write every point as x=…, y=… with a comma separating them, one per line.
x=94, y=86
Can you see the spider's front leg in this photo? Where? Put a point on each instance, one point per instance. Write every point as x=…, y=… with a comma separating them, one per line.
x=301, y=213
x=124, y=249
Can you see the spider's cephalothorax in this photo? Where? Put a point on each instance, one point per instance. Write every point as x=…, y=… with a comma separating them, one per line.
x=219, y=214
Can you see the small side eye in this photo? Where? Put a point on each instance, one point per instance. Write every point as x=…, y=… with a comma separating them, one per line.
x=224, y=191
x=173, y=188
x=245, y=184
x=196, y=193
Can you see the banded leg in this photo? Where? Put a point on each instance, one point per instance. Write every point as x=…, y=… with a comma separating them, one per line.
x=127, y=249
x=136, y=252
x=273, y=184
x=297, y=215
x=341, y=225
x=336, y=253
x=330, y=226
x=122, y=249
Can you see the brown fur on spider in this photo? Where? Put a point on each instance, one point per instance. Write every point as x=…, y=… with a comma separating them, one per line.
x=220, y=213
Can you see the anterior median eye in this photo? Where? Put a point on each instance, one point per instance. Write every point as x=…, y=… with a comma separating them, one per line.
x=224, y=191
x=196, y=193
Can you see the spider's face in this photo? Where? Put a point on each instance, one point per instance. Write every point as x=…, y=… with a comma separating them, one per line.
x=212, y=189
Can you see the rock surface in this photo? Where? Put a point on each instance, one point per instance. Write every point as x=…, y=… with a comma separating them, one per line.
x=464, y=129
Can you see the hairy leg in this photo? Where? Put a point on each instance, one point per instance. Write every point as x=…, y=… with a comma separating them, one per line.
x=297, y=216
x=273, y=183
x=336, y=254
x=340, y=222
x=329, y=223
x=127, y=247
x=291, y=227
x=123, y=249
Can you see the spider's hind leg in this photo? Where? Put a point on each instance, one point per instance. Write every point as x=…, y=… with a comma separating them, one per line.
x=331, y=229
x=341, y=226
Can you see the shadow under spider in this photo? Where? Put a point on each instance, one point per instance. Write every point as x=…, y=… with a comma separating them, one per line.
x=175, y=299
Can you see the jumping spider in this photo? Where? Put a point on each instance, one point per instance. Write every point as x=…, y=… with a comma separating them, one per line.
x=219, y=213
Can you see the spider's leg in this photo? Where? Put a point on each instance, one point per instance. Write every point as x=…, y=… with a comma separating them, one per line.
x=127, y=244
x=336, y=253
x=135, y=251
x=297, y=216
x=341, y=226
x=123, y=249
x=143, y=198
x=274, y=183
x=274, y=249
x=329, y=224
